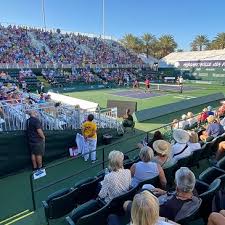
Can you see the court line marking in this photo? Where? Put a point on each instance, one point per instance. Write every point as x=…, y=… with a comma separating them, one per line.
x=12, y=217
x=20, y=218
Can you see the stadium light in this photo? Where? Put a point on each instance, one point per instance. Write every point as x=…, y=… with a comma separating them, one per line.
x=43, y=13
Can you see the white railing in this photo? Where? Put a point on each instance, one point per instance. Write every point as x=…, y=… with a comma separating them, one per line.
x=14, y=116
x=69, y=66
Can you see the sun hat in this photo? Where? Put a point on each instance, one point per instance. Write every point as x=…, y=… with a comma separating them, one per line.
x=181, y=136
x=183, y=117
x=162, y=147
x=190, y=114
x=211, y=119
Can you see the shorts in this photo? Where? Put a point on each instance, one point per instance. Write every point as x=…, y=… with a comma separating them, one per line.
x=37, y=148
x=148, y=86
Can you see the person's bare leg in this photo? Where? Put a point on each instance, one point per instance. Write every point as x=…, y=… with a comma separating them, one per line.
x=220, y=150
x=34, y=163
x=216, y=219
x=39, y=161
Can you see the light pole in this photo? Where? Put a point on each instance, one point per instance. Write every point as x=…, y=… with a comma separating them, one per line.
x=43, y=13
x=103, y=18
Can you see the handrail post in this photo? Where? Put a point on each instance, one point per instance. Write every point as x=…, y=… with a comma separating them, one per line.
x=103, y=159
x=147, y=137
x=32, y=191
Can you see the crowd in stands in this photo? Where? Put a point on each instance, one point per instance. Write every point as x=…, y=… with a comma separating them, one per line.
x=23, y=45
x=159, y=204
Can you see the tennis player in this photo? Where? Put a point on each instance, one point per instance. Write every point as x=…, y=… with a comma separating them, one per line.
x=147, y=85
x=180, y=83
x=136, y=83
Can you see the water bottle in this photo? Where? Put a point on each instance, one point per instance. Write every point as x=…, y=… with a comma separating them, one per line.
x=106, y=171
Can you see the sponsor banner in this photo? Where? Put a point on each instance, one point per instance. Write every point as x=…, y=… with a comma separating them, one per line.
x=205, y=63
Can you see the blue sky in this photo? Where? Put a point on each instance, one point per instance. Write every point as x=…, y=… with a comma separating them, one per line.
x=183, y=19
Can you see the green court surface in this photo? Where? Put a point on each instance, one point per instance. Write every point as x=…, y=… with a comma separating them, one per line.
x=15, y=194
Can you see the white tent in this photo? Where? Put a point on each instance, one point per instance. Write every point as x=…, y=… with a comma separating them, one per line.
x=83, y=104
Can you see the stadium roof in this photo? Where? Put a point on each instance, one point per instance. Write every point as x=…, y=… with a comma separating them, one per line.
x=209, y=55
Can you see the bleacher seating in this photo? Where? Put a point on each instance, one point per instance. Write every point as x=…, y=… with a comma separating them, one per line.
x=208, y=183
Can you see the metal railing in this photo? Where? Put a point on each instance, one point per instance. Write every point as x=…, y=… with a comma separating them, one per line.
x=70, y=66
x=166, y=130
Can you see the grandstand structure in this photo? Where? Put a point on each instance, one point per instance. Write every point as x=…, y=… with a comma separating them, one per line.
x=200, y=65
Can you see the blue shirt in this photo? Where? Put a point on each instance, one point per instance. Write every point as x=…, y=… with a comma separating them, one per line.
x=214, y=129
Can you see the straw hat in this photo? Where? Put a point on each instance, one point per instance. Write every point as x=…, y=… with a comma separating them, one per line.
x=162, y=147
x=211, y=119
x=190, y=114
x=181, y=136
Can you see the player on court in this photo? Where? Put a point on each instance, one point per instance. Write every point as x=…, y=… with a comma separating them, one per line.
x=136, y=83
x=180, y=83
x=147, y=85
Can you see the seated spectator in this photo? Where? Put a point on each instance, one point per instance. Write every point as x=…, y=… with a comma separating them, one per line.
x=217, y=218
x=213, y=129
x=191, y=119
x=118, y=180
x=144, y=211
x=183, y=123
x=193, y=141
x=221, y=110
x=156, y=136
x=203, y=116
x=180, y=148
x=182, y=203
x=175, y=124
x=222, y=122
x=145, y=169
x=221, y=150
x=128, y=120
x=163, y=151
x=210, y=112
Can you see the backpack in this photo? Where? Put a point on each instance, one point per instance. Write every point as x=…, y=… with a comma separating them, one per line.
x=218, y=202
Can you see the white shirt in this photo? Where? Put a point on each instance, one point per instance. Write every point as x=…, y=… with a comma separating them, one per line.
x=176, y=148
x=183, y=123
x=114, y=184
x=222, y=122
x=194, y=146
x=192, y=121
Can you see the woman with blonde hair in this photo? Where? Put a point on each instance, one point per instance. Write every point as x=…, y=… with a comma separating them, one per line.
x=191, y=119
x=146, y=169
x=193, y=141
x=144, y=211
x=118, y=180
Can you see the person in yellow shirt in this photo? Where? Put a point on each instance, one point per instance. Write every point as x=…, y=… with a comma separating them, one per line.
x=89, y=131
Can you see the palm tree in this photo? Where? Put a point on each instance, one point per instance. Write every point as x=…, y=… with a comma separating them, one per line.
x=149, y=42
x=166, y=45
x=200, y=43
x=132, y=42
x=218, y=42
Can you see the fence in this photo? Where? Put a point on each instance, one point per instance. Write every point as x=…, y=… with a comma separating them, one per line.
x=129, y=147
x=70, y=66
x=14, y=116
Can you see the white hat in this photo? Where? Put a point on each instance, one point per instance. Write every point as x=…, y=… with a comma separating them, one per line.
x=222, y=102
x=181, y=136
x=183, y=117
x=162, y=147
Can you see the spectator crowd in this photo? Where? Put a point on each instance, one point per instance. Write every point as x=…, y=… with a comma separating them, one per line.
x=24, y=46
